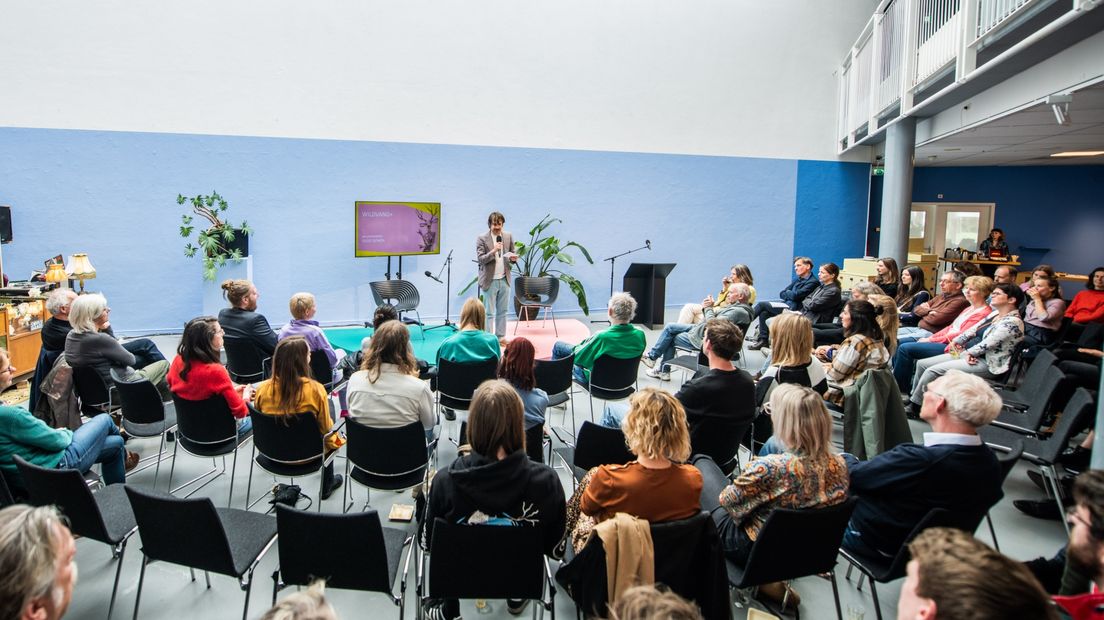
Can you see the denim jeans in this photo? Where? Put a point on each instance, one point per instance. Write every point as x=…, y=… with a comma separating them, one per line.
x=97, y=441
x=664, y=348
x=144, y=352
x=904, y=362
x=497, y=297
x=613, y=414
x=912, y=332
x=561, y=350
x=773, y=445
x=245, y=426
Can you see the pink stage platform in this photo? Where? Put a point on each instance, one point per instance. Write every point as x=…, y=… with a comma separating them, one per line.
x=571, y=330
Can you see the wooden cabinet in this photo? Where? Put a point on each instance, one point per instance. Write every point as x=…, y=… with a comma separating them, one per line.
x=22, y=323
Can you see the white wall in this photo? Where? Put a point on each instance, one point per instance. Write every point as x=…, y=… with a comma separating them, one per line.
x=715, y=77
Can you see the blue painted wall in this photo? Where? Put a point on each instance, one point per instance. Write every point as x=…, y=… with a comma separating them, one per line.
x=112, y=194
x=1056, y=207
x=831, y=210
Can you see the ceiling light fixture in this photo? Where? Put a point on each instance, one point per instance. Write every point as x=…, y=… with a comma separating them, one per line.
x=1077, y=154
x=1060, y=104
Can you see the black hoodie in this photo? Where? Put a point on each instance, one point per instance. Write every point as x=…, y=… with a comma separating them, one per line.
x=513, y=491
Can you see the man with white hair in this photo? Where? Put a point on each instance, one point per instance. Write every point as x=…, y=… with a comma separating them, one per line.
x=692, y=336
x=37, y=562
x=952, y=469
x=620, y=341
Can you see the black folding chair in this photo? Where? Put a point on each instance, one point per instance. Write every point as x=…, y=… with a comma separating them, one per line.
x=193, y=533
x=322, y=370
x=291, y=446
x=597, y=445
x=401, y=295
x=1010, y=422
x=534, y=293
x=488, y=562
x=554, y=377
x=457, y=382
x=367, y=559
x=1007, y=459
x=145, y=415
x=611, y=379
x=206, y=428
x=883, y=570
x=389, y=459
x=1020, y=398
x=244, y=361
x=94, y=393
x=796, y=543
x=104, y=516
x=6, y=497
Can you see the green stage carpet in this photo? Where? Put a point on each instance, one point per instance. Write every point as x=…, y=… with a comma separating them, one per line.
x=349, y=338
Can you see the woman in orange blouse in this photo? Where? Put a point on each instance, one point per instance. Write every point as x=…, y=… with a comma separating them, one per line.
x=292, y=390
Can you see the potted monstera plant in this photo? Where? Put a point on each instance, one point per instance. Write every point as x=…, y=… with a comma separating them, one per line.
x=546, y=255
x=220, y=241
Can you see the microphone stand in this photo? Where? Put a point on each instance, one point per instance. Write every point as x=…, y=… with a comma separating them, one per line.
x=612, y=260
x=448, y=294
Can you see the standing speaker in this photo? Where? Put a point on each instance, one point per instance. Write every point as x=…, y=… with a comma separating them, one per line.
x=5, y=225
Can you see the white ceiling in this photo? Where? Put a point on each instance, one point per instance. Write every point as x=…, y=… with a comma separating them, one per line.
x=1026, y=138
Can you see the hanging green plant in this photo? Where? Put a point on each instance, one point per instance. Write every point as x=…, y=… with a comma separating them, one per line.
x=220, y=241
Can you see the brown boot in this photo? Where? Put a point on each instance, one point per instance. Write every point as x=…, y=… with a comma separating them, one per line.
x=132, y=459
x=781, y=593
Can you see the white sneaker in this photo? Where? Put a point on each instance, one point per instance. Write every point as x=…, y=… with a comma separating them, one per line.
x=656, y=373
x=647, y=361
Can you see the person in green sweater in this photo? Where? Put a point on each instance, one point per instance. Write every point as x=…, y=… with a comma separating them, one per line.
x=96, y=441
x=620, y=341
x=471, y=343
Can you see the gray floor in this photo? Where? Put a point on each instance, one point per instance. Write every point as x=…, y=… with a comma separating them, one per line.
x=169, y=593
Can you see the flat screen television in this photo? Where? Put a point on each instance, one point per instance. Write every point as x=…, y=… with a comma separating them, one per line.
x=397, y=228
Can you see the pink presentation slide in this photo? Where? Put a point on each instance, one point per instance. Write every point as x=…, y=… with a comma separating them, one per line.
x=397, y=228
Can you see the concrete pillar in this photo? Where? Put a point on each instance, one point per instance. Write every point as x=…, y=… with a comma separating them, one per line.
x=897, y=193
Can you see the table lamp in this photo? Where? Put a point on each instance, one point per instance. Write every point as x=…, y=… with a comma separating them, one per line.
x=56, y=274
x=81, y=268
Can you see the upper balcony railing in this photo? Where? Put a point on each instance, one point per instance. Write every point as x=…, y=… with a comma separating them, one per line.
x=912, y=47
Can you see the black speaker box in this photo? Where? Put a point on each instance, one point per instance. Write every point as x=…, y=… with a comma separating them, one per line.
x=5, y=225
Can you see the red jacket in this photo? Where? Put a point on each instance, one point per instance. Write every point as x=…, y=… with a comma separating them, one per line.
x=204, y=381
x=1087, y=307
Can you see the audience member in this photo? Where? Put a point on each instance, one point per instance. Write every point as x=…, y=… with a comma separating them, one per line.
x=687, y=336
x=967, y=268
x=994, y=245
x=1087, y=305
x=862, y=349
x=1085, y=551
x=38, y=566
x=1042, y=271
x=984, y=350
x=803, y=474
x=887, y=320
x=1005, y=274
x=694, y=313
x=496, y=484
x=309, y=604
x=292, y=390
x=303, y=309
x=198, y=374
x=471, y=343
x=912, y=292
x=938, y=313
x=889, y=278
x=953, y=576
x=88, y=345
x=1044, y=312
x=95, y=441
x=57, y=327
x=832, y=333
x=977, y=290
x=953, y=469
x=241, y=319
x=792, y=360
x=653, y=603
x=657, y=486
x=792, y=297
x=517, y=365
x=386, y=392
x=821, y=305
x=620, y=341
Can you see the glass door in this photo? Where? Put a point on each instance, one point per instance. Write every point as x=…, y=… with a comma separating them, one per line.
x=951, y=225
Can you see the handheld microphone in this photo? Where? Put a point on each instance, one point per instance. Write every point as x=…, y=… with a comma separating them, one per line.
x=433, y=277
x=648, y=243
x=499, y=240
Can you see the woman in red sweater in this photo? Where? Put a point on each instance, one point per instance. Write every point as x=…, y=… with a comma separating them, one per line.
x=197, y=374
x=1088, y=305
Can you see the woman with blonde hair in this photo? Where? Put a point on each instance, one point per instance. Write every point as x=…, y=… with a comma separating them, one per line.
x=471, y=343
x=806, y=474
x=386, y=392
x=657, y=486
x=791, y=358
x=887, y=320
x=292, y=390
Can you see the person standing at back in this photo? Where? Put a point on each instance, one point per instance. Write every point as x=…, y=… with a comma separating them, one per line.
x=494, y=251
